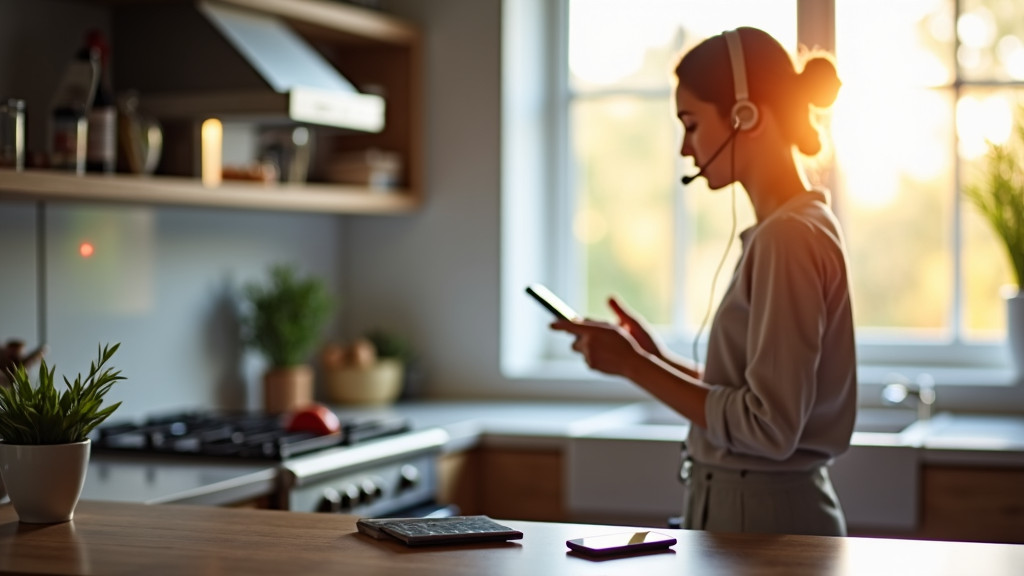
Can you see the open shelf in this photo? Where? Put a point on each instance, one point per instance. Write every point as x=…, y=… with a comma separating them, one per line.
x=369, y=47
x=46, y=185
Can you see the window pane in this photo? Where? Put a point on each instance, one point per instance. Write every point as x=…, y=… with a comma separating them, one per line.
x=624, y=217
x=895, y=167
x=917, y=50
x=984, y=115
x=991, y=36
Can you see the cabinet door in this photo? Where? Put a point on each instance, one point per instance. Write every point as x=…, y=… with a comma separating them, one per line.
x=976, y=504
x=507, y=483
x=523, y=484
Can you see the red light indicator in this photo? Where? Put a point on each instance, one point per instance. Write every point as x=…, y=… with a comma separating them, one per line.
x=86, y=249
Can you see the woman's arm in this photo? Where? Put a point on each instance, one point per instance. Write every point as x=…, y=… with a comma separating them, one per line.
x=637, y=329
x=612, y=350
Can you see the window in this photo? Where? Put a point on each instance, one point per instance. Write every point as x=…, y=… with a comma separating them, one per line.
x=910, y=130
x=923, y=87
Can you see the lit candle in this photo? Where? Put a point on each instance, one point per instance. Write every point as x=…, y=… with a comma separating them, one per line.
x=212, y=142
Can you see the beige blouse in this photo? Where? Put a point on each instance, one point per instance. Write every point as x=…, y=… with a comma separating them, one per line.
x=781, y=360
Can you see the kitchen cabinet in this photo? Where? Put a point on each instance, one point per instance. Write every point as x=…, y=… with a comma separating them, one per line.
x=972, y=503
x=369, y=48
x=502, y=482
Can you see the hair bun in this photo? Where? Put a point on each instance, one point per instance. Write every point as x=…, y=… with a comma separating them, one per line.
x=819, y=82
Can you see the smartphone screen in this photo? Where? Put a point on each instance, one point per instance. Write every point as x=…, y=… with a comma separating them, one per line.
x=553, y=303
x=620, y=543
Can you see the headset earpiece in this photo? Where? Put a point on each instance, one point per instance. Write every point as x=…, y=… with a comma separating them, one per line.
x=744, y=112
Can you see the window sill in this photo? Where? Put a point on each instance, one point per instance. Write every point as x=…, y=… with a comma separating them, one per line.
x=572, y=369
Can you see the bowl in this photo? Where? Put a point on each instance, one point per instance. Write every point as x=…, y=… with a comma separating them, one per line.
x=379, y=383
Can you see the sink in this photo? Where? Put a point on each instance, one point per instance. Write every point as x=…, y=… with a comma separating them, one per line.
x=884, y=420
x=972, y=432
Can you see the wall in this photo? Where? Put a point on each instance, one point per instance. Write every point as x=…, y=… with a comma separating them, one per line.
x=164, y=282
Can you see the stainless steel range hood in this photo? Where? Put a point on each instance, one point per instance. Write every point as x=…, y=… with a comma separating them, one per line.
x=213, y=59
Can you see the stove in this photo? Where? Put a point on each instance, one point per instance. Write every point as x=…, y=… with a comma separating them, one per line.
x=377, y=466
x=247, y=435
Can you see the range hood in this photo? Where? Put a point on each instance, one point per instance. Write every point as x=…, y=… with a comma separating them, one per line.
x=213, y=59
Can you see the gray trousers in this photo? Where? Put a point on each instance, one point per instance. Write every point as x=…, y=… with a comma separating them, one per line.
x=722, y=500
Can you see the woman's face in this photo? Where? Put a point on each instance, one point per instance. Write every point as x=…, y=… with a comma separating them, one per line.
x=704, y=131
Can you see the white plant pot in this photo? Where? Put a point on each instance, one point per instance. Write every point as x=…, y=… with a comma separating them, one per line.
x=44, y=481
x=1015, y=330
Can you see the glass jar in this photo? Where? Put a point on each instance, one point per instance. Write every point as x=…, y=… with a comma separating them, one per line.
x=12, y=134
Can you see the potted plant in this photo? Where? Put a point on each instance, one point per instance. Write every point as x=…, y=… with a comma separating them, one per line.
x=283, y=322
x=999, y=196
x=44, y=451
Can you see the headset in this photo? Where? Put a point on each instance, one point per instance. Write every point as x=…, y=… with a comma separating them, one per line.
x=744, y=113
x=744, y=116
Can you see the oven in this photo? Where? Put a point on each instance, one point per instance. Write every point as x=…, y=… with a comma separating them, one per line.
x=377, y=466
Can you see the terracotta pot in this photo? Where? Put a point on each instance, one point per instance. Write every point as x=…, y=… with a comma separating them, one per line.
x=44, y=481
x=287, y=388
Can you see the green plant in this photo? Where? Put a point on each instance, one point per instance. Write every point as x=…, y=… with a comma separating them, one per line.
x=999, y=196
x=40, y=415
x=286, y=316
x=389, y=345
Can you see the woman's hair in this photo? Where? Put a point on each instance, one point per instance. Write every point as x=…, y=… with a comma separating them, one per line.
x=772, y=79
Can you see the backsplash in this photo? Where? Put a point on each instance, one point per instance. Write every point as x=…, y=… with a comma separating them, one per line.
x=165, y=282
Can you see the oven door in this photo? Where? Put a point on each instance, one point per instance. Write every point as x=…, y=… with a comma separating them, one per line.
x=392, y=476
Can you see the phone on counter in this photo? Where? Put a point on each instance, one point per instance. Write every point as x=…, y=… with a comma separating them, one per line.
x=620, y=543
x=553, y=303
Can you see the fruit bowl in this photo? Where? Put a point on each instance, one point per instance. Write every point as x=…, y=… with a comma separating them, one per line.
x=378, y=383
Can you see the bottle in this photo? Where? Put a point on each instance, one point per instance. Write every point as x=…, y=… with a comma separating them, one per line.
x=69, y=112
x=101, y=145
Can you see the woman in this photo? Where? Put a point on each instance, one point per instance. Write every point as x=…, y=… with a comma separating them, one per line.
x=776, y=399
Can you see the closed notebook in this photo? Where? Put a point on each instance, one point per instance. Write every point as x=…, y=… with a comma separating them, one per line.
x=435, y=531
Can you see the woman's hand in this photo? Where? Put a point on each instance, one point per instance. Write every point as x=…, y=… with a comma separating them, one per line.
x=635, y=327
x=605, y=347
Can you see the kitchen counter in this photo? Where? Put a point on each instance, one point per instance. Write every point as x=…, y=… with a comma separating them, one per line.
x=120, y=538
x=975, y=440
x=526, y=424
x=182, y=480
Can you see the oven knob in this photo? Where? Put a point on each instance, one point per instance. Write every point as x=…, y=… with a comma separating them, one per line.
x=330, y=501
x=371, y=490
x=409, y=476
x=350, y=496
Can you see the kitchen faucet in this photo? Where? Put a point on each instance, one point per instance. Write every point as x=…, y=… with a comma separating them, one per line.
x=921, y=393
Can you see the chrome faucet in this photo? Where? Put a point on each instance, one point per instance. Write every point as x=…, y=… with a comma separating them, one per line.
x=921, y=393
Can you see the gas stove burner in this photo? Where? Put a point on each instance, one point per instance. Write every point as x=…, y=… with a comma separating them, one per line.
x=250, y=435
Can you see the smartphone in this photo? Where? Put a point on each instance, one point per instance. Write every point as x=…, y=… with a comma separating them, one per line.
x=620, y=543
x=553, y=303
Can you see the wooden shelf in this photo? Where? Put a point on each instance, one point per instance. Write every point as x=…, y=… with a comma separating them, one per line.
x=45, y=185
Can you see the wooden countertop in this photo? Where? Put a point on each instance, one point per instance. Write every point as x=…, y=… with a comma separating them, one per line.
x=125, y=538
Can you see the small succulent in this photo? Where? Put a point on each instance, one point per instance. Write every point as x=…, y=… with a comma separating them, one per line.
x=41, y=415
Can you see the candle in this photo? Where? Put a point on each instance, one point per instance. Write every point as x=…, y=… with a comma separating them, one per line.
x=212, y=136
